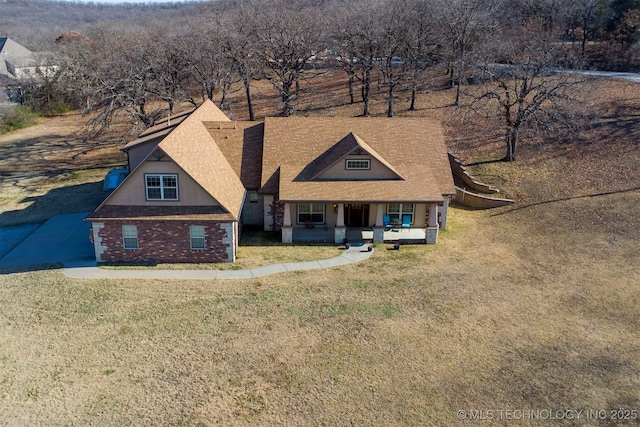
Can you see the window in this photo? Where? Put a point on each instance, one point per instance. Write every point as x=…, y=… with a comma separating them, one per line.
x=162, y=187
x=361, y=164
x=397, y=210
x=197, y=237
x=311, y=213
x=130, y=236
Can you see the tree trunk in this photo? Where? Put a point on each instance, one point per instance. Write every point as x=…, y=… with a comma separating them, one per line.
x=390, y=100
x=512, y=143
x=351, y=79
x=225, y=90
x=414, y=91
x=247, y=91
x=366, y=91
x=287, y=104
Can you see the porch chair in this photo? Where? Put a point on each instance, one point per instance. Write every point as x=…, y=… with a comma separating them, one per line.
x=406, y=221
x=387, y=222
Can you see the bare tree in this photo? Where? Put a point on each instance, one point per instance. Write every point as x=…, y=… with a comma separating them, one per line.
x=113, y=71
x=290, y=35
x=586, y=19
x=392, y=44
x=203, y=50
x=170, y=65
x=526, y=91
x=359, y=33
x=420, y=45
x=462, y=24
x=240, y=46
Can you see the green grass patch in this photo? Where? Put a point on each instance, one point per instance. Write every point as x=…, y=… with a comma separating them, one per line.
x=19, y=118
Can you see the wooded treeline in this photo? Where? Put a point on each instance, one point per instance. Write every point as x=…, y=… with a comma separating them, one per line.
x=512, y=46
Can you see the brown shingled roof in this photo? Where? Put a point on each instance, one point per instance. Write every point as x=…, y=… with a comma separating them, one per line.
x=192, y=148
x=190, y=145
x=169, y=121
x=154, y=137
x=413, y=148
x=163, y=213
x=241, y=145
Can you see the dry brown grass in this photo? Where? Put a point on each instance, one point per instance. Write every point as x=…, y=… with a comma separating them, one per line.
x=532, y=306
x=52, y=168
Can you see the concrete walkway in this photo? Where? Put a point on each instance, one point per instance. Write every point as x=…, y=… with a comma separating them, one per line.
x=81, y=270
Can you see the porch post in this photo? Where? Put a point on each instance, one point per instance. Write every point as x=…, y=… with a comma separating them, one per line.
x=287, y=230
x=432, y=227
x=444, y=212
x=378, y=229
x=340, y=231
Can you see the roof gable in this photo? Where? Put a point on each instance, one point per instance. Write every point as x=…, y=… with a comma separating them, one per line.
x=303, y=148
x=350, y=144
x=190, y=146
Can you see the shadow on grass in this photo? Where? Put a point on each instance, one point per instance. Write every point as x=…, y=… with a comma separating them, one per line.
x=62, y=200
x=564, y=199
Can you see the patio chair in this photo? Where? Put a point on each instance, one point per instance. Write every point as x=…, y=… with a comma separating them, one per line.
x=406, y=221
x=387, y=222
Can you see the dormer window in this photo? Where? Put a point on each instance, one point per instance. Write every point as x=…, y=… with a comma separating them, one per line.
x=358, y=164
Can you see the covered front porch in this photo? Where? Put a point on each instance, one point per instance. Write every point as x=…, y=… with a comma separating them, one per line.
x=373, y=222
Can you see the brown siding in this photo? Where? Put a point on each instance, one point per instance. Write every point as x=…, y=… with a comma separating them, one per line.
x=163, y=241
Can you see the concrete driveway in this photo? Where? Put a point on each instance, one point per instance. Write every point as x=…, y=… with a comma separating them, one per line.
x=62, y=239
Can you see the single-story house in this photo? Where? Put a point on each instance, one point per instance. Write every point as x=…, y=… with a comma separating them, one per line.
x=197, y=178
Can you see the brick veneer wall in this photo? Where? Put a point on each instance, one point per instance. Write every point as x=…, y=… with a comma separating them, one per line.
x=277, y=210
x=165, y=241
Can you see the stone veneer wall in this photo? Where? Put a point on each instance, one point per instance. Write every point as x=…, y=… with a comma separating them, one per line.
x=164, y=241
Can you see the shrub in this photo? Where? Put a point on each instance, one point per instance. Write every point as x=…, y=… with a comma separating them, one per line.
x=18, y=118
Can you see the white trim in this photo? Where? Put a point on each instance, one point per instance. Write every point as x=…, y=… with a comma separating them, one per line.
x=130, y=232
x=402, y=212
x=162, y=187
x=311, y=212
x=356, y=161
x=200, y=236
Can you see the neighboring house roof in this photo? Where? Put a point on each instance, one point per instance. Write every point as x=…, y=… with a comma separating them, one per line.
x=413, y=148
x=12, y=56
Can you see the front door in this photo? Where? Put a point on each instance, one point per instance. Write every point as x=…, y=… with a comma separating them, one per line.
x=356, y=215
